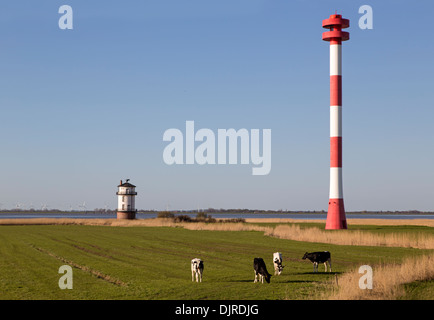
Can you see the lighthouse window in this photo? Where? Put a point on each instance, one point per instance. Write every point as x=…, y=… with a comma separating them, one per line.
x=123, y=198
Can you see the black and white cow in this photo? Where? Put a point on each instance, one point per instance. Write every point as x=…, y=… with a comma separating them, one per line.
x=261, y=270
x=319, y=257
x=196, y=269
x=277, y=261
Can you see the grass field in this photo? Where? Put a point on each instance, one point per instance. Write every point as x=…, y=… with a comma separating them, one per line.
x=146, y=262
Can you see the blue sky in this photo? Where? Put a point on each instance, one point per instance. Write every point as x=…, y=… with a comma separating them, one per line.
x=83, y=108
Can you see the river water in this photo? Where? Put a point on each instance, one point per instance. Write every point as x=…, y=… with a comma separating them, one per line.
x=314, y=216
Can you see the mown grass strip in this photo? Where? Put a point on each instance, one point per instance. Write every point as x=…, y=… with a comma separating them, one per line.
x=96, y=273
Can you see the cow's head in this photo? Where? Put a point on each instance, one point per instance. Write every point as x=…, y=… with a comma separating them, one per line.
x=197, y=264
x=268, y=278
x=305, y=256
x=279, y=265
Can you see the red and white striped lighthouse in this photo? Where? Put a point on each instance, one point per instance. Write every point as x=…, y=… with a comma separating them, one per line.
x=336, y=213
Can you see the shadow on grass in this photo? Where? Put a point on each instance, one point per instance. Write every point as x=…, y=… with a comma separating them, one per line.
x=296, y=281
x=329, y=273
x=284, y=281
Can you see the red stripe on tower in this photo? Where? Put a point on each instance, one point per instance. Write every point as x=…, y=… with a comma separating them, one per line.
x=335, y=152
x=336, y=213
x=335, y=90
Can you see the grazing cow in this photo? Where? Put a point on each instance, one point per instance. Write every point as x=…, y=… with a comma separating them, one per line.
x=319, y=257
x=261, y=270
x=196, y=269
x=277, y=261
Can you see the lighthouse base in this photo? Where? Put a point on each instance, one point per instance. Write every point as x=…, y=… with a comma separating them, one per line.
x=126, y=215
x=336, y=215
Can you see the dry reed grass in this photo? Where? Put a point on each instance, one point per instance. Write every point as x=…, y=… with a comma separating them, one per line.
x=286, y=231
x=376, y=222
x=387, y=280
x=392, y=222
x=353, y=237
x=159, y=222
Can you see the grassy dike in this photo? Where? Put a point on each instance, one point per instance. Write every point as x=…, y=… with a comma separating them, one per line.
x=146, y=262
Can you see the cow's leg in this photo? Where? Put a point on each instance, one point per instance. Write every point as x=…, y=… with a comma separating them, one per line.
x=192, y=275
x=325, y=266
x=200, y=276
x=256, y=275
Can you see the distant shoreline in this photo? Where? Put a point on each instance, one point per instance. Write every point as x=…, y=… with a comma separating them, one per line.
x=211, y=212
x=306, y=216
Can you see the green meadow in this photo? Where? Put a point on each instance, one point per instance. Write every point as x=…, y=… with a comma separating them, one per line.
x=153, y=263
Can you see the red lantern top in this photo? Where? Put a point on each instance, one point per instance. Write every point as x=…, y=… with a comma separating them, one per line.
x=335, y=24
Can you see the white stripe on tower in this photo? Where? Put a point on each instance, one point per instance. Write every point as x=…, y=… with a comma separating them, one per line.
x=336, y=191
x=335, y=59
x=335, y=121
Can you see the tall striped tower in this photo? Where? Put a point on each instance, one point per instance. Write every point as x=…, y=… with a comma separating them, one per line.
x=336, y=213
